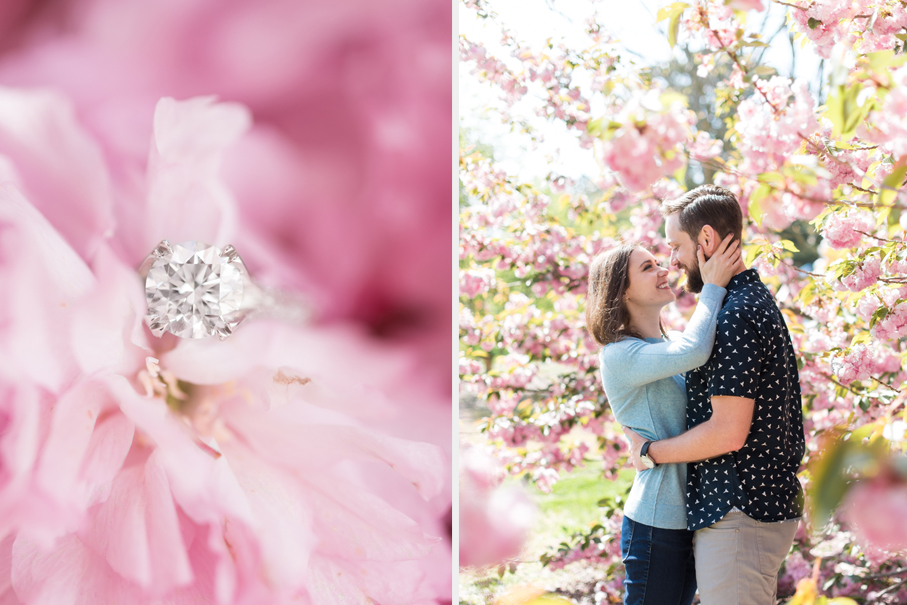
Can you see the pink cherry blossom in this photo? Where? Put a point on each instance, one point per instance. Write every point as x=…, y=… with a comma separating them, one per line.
x=856, y=365
x=888, y=126
x=704, y=147
x=871, y=506
x=476, y=282
x=842, y=229
x=642, y=155
x=747, y=5
x=865, y=274
x=772, y=123
x=494, y=519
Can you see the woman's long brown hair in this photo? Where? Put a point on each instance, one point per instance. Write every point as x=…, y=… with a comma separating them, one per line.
x=607, y=317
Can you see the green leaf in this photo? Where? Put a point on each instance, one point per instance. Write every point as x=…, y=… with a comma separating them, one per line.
x=670, y=98
x=667, y=11
x=834, y=110
x=765, y=70
x=807, y=294
x=854, y=114
x=880, y=314
x=819, y=221
x=755, y=204
x=595, y=127
x=829, y=484
x=752, y=253
x=672, y=13
x=892, y=184
x=771, y=177
x=789, y=245
x=680, y=175
x=674, y=28
x=881, y=60
x=861, y=338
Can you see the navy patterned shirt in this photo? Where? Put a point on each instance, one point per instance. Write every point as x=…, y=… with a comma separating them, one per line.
x=753, y=357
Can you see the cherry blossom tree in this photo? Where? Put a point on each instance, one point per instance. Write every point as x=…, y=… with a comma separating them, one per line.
x=827, y=159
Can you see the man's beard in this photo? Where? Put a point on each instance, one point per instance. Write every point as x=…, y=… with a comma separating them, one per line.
x=694, y=279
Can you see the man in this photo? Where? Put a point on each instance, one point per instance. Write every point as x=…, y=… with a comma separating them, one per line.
x=744, y=436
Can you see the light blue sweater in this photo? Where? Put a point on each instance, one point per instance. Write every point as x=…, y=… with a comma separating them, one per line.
x=646, y=391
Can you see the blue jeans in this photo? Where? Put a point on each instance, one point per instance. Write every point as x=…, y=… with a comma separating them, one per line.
x=659, y=564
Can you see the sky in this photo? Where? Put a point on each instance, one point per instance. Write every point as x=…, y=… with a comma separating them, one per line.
x=632, y=22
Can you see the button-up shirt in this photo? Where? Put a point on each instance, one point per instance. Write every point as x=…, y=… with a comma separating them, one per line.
x=753, y=358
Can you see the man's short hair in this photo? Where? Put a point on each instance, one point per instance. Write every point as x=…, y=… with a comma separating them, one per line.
x=707, y=205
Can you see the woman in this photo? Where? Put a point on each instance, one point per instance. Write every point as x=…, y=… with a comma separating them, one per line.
x=641, y=371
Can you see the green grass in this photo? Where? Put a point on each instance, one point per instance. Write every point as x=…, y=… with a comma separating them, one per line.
x=571, y=506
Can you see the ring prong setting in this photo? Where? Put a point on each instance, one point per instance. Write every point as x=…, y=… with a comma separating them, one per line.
x=162, y=249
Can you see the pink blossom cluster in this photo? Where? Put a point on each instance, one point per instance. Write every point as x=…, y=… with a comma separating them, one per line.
x=865, y=273
x=564, y=101
x=844, y=166
x=871, y=506
x=704, y=147
x=642, y=154
x=746, y=5
x=610, y=590
x=895, y=266
x=602, y=545
x=858, y=364
x=845, y=229
x=887, y=127
x=795, y=569
x=470, y=332
x=894, y=325
x=492, y=70
x=773, y=122
x=476, y=282
x=495, y=519
x=824, y=22
x=867, y=25
x=715, y=23
x=469, y=367
x=797, y=202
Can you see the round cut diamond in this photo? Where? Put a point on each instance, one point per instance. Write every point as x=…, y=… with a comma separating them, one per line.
x=194, y=290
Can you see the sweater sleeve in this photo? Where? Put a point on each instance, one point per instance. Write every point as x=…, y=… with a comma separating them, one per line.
x=635, y=362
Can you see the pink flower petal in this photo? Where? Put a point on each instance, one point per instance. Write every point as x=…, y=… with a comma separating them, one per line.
x=187, y=200
x=60, y=167
x=353, y=524
x=138, y=531
x=283, y=520
x=70, y=574
x=108, y=332
x=87, y=443
x=49, y=278
x=203, y=486
x=7, y=594
x=331, y=581
x=283, y=437
x=312, y=351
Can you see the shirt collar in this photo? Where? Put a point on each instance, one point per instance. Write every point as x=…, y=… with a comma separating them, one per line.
x=750, y=276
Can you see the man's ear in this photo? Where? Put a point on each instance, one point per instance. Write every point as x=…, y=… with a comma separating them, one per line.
x=708, y=239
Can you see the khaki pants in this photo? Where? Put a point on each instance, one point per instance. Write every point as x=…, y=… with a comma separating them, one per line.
x=738, y=558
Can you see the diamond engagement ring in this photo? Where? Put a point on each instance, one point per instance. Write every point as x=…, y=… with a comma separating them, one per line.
x=195, y=290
